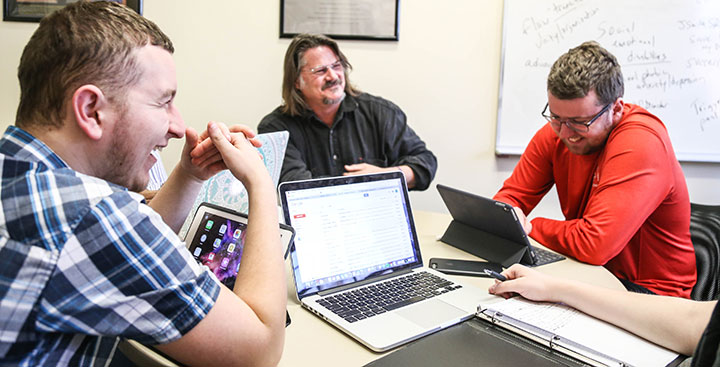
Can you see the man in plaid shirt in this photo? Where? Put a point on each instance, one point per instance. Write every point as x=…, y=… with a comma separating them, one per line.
x=83, y=260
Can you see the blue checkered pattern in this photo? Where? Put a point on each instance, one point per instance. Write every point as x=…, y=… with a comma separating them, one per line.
x=83, y=262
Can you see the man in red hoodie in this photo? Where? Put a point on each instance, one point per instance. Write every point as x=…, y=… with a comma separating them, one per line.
x=621, y=188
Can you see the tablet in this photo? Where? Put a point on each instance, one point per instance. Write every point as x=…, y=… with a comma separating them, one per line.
x=216, y=239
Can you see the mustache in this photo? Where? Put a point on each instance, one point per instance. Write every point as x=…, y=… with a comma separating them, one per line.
x=331, y=84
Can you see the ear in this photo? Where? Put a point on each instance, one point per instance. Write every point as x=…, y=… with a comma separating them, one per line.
x=617, y=110
x=89, y=106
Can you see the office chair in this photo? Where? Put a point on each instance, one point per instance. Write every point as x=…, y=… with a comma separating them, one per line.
x=705, y=234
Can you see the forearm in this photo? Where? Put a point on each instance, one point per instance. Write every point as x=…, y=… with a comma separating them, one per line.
x=674, y=323
x=409, y=176
x=584, y=242
x=261, y=278
x=174, y=200
x=423, y=168
x=594, y=236
x=420, y=162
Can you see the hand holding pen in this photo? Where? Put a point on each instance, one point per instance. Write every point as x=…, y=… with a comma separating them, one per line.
x=526, y=282
x=495, y=275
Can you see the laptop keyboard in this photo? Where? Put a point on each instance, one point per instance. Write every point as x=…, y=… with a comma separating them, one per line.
x=378, y=298
x=543, y=256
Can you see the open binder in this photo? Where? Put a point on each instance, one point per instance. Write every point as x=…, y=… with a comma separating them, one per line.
x=576, y=334
x=521, y=332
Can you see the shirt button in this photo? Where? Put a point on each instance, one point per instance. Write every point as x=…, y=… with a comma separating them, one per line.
x=335, y=156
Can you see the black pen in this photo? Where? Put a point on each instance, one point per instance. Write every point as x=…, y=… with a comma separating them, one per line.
x=495, y=275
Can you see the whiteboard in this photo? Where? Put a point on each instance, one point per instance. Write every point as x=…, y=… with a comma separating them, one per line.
x=669, y=51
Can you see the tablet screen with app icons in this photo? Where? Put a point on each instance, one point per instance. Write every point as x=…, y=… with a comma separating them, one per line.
x=216, y=239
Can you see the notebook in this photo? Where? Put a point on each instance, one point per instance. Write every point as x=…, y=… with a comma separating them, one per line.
x=356, y=243
x=216, y=239
x=489, y=229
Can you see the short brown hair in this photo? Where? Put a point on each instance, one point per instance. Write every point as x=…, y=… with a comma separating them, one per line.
x=584, y=68
x=294, y=103
x=82, y=43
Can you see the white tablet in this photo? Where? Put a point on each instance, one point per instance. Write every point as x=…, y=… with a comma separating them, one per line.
x=216, y=238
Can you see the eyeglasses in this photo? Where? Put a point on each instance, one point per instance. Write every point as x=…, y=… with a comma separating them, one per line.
x=577, y=126
x=337, y=67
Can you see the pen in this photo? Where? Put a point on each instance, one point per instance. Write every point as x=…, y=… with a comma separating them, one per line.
x=495, y=275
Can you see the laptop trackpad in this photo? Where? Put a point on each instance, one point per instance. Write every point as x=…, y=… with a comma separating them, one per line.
x=431, y=313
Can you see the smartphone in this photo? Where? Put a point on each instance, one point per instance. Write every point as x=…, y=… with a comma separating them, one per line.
x=464, y=267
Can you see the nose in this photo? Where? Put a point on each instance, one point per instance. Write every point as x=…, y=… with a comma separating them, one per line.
x=564, y=131
x=331, y=74
x=177, y=126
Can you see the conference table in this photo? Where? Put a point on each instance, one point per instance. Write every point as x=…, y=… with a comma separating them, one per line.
x=310, y=341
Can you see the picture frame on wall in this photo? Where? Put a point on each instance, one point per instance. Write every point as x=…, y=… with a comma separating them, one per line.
x=34, y=10
x=341, y=19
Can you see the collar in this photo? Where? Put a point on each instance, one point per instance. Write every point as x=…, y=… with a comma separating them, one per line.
x=20, y=144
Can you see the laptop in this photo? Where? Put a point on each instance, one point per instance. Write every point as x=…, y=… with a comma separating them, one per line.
x=489, y=229
x=357, y=264
x=216, y=239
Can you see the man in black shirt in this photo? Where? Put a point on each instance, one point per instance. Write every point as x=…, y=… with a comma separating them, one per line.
x=334, y=128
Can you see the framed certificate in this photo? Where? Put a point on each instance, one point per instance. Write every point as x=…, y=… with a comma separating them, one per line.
x=340, y=19
x=34, y=10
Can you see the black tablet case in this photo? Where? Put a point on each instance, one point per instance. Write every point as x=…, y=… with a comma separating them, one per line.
x=484, y=228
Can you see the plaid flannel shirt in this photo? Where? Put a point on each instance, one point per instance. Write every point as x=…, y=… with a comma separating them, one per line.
x=83, y=262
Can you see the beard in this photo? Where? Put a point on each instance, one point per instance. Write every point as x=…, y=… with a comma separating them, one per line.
x=333, y=84
x=330, y=101
x=122, y=163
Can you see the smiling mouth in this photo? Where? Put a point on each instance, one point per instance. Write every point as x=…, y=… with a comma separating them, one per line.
x=574, y=139
x=332, y=84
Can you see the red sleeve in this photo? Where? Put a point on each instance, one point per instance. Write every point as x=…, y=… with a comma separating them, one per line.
x=635, y=175
x=533, y=175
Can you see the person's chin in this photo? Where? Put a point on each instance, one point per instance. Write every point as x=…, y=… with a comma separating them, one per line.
x=334, y=99
x=584, y=150
x=140, y=181
x=577, y=147
x=140, y=184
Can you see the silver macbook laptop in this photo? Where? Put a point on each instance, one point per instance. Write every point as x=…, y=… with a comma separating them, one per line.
x=357, y=264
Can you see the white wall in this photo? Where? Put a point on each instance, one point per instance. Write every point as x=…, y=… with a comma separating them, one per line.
x=444, y=73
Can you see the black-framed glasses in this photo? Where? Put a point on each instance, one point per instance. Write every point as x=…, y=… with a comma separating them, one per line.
x=337, y=66
x=577, y=126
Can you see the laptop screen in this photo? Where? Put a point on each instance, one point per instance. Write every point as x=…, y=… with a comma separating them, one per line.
x=349, y=229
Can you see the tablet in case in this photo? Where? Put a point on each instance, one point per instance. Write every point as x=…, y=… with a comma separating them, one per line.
x=489, y=229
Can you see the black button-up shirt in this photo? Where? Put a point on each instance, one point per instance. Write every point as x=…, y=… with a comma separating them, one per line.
x=367, y=129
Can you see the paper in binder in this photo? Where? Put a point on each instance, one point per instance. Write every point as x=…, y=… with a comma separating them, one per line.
x=569, y=331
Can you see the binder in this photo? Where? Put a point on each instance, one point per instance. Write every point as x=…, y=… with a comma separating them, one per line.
x=573, y=333
x=474, y=343
x=521, y=332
